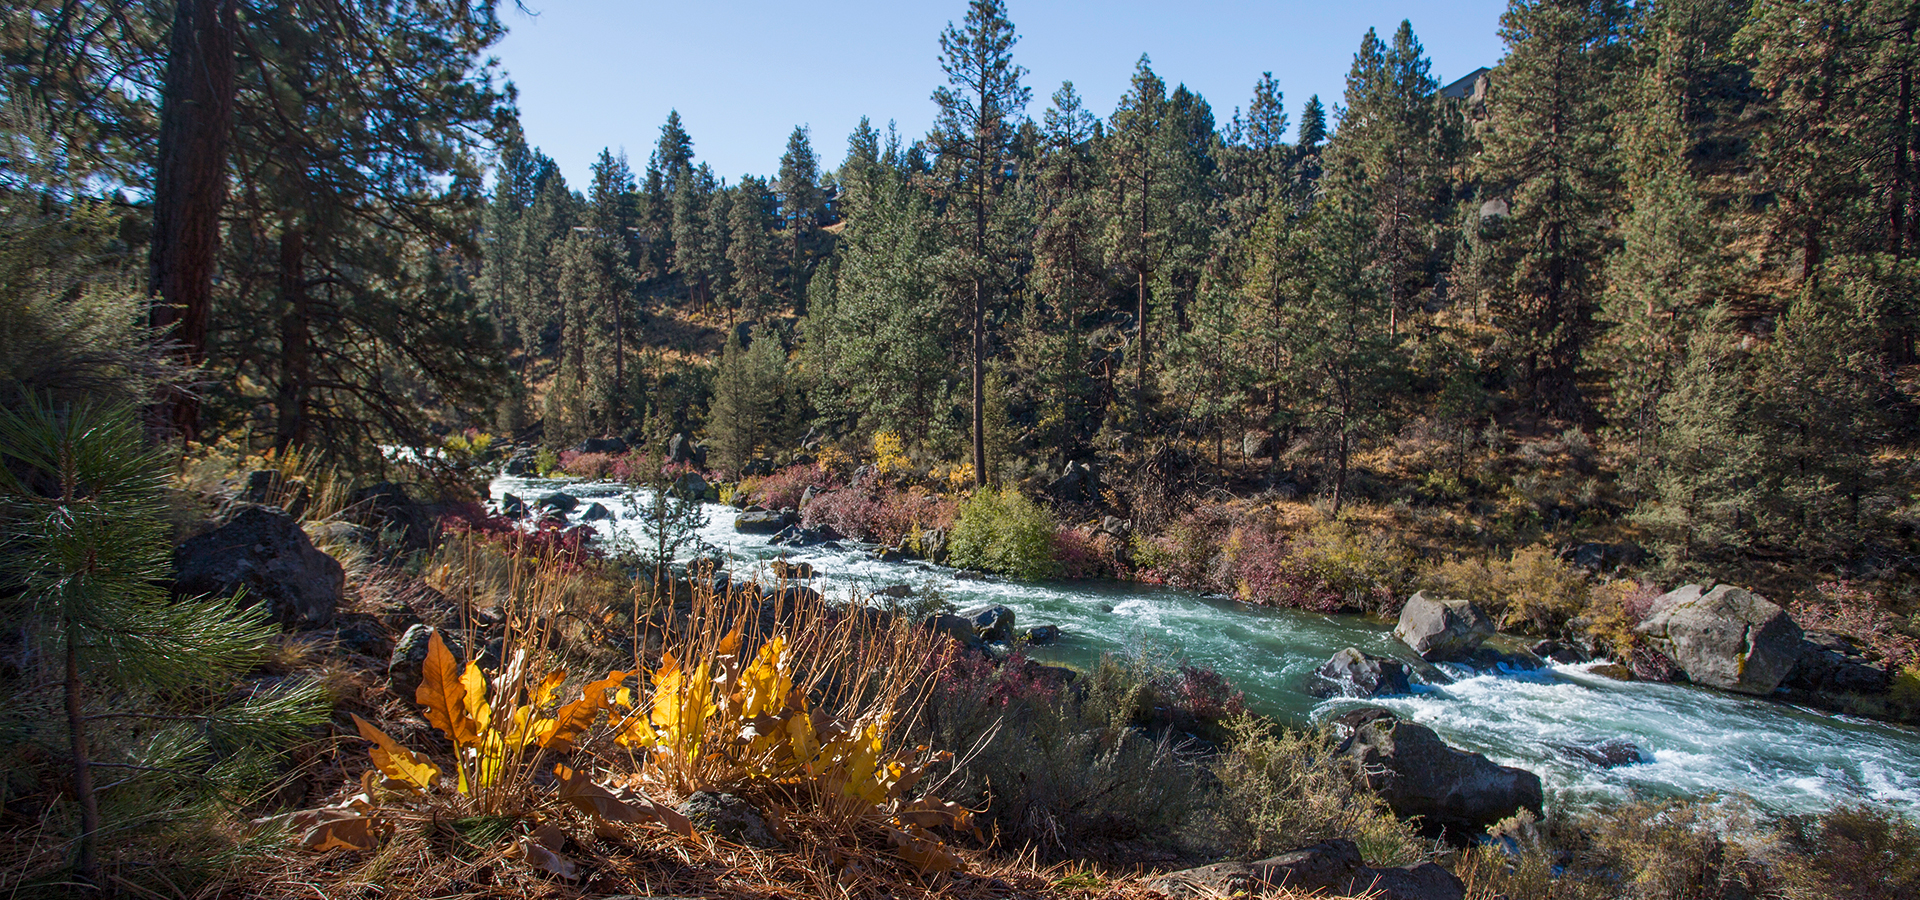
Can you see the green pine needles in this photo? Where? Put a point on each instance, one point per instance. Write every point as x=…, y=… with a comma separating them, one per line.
x=138, y=703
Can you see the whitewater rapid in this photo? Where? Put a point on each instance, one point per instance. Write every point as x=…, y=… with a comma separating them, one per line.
x=1697, y=741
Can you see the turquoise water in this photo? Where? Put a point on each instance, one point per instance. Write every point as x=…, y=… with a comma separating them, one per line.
x=1700, y=741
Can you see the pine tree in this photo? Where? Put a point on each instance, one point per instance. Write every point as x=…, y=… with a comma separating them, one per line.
x=1148, y=175
x=973, y=138
x=800, y=200
x=1387, y=152
x=751, y=248
x=128, y=688
x=1670, y=268
x=749, y=400
x=1049, y=344
x=1550, y=155
x=613, y=212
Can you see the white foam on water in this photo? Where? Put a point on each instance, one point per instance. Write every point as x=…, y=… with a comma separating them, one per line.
x=1699, y=741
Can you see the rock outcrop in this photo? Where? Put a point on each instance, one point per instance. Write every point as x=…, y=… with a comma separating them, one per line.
x=1351, y=673
x=263, y=552
x=1727, y=638
x=1418, y=775
x=1442, y=629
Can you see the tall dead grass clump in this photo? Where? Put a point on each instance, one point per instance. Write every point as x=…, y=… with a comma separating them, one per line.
x=1281, y=789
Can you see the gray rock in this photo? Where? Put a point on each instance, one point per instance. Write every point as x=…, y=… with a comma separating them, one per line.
x=992, y=623
x=409, y=655
x=512, y=507
x=1113, y=525
x=1442, y=629
x=791, y=570
x=596, y=513
x=1351, y=673
x=559, y=501
x=520, y=464
x=680, y=448
x=1418, y=775
x=1256, y=445
x=1834, y=664
x=1726, y=638
x=1041, y=635
x=1606, y=753
x=759, y=522
x=264, y=553
x=731, y=818
x=956, y=627
x=933, y=544
x=896, y=591
x=388, y=508
x=690, y=486
x=602, y=445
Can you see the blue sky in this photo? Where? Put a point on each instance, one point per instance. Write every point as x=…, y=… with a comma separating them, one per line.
x=603, y=73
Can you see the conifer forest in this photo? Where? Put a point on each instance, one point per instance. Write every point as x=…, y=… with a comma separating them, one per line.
x=1571, y=403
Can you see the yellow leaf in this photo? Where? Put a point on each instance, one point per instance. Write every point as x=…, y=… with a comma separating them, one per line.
x=474, y=684
x=397, y=762
x=544, y=694
x=355, y=833
x=443, y=697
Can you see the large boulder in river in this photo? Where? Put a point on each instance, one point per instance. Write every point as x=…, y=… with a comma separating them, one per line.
x=1836, y=664
x=1442, y=629
x=690, y=486
x=1351, y=673
x=764, y=522
x=1726, y=638
x=1418, y=775
x=263, y=552
x=992, y=623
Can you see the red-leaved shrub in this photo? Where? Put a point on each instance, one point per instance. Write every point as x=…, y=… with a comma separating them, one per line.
x=586, y=465
x=548, y=541
x=1845, y=609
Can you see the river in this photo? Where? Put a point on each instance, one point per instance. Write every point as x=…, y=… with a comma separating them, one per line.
x=1700, y=741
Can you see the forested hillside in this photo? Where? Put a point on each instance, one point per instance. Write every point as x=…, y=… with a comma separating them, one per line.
x=1677, y=238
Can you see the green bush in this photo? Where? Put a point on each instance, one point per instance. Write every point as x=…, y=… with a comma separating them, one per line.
x=1284, y=789
x=546, y=462
x=999, y=530
x=1062, y=768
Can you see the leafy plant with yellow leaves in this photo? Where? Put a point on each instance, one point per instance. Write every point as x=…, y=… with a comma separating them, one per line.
x=504, y=731
x=804, y=719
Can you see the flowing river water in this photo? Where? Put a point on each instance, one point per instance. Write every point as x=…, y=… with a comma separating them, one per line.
x=1695, y=741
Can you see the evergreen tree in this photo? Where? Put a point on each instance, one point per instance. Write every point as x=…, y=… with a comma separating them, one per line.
x=132, y=691
x=1388, y=158
x=749, y=400
x=800, y=200
x=1670, y=268
x=751, y=248
x=347, y=232
x=1550, y=154
x=613, y=212
x=974, y=138
x=1144, y=171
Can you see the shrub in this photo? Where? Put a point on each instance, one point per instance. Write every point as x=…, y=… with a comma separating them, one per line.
x=1842, y=608
x=783, y=489
x=890, y=455
x=1327, y=568
x=1000, y=530
x=546, y=462
x=596, y=466
x=888, y=517
x=1614, y=609
x=1532, y=590
x=1281, y=789
x=635, y=467
x=1083, y=554
x=1184, y=554
x=1057, y=768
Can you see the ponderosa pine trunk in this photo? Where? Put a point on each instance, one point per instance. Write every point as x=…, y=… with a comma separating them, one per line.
x=190, y=187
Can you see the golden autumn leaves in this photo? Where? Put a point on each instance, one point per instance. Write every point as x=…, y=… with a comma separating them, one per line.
x=723, y=723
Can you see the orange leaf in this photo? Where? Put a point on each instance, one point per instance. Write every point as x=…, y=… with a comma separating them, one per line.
x=443, y=697
x=576, y=788
x=575, y=718
x=354, y=833
x=397, y=762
